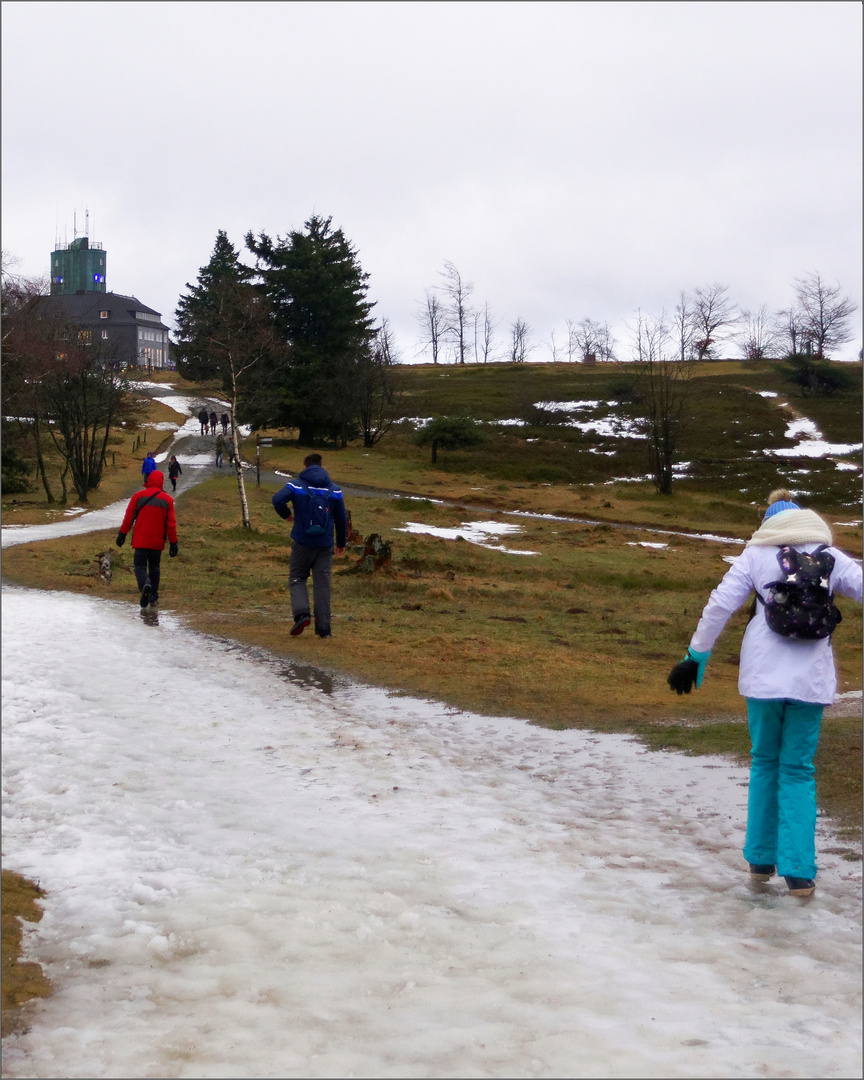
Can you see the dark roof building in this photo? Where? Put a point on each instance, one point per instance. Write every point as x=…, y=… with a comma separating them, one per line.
x=126, y=332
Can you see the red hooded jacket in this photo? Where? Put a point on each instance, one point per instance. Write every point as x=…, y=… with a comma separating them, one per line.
x=155, y=521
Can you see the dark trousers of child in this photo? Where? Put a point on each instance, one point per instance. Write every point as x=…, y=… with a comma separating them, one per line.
x=147, y=570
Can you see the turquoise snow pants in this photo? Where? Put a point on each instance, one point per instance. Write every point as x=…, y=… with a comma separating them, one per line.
x=781, y=804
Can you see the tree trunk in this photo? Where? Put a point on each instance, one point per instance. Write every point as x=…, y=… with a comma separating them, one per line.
x=40, y=461
x=238, y=468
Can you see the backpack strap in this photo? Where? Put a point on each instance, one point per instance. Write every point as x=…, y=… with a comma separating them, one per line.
x=140, y=507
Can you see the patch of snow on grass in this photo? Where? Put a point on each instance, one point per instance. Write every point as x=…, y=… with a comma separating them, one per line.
x=565, y=406
x=817, y=448
x=476, y=532
x=802, y=427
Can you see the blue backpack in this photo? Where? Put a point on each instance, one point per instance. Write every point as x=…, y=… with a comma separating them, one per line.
x=317, y=516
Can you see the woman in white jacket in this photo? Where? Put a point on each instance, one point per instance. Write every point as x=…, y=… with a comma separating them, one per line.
x=787, y=683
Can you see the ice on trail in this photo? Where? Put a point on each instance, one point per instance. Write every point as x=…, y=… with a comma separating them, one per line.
x=256, y=871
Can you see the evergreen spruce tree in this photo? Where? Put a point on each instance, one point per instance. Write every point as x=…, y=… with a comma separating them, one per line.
x=224, y=331
x=206, y=313
x=316, y=295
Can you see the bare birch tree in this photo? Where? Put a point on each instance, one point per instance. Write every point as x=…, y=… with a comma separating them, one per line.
x=459, y=314
x=433, y=326
x=520, y=341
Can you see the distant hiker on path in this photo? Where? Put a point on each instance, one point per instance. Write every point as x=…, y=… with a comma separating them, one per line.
x=213, y=422
x=786, y=674
x=148, y=465
x=220, y=449
x=150, y=516
x=204, y=421
x=174, y=471
x=231, y=450
x=318, y=508
x=223, y=419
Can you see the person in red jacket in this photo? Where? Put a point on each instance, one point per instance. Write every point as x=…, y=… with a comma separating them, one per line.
x=150, y=514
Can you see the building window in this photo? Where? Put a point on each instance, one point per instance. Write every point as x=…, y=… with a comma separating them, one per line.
x=103, y=314
x=85, y=336
x=104, y=335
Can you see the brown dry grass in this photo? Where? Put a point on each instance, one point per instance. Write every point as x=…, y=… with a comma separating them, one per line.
x=582, y=635
x=22, y=981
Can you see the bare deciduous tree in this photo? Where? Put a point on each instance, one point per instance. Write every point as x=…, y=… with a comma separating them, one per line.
x=590, y=338
x=28, y=354
x=459, y=314
x=758, y=334
x=520, y=341
x=571, y=344
x=713, y=312
x=823, y=313
x=683, y=326
x=379, y=388
x=487, y=336
x=789, y=328
x=663, y=381
x=433, y=325
x=554, y=348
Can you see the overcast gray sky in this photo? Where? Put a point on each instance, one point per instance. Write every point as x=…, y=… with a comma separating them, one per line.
x=571, y=159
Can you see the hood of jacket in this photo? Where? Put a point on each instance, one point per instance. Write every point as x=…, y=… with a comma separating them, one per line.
x=315, y=476
x=156, y=479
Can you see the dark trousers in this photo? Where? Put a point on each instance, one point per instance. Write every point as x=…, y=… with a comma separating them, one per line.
x=318, y=562
x=146, y=562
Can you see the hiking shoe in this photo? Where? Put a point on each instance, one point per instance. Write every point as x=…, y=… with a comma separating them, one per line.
x=300, y=624
x=328, y=634
x=761, y=871
x=145, y=596
x=799, y=886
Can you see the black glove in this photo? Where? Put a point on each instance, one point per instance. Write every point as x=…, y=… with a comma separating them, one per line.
x=121, y=539
x=172, y=550
x=683, y=676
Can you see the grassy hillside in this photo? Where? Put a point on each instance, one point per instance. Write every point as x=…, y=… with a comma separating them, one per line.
x=723, y=453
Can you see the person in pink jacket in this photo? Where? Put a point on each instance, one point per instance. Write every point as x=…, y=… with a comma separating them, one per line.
x=787, y=682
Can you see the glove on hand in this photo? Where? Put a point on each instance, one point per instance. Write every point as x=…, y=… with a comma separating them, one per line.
x=691, y=670
x=683, y=675
x=172, y=551
x=121, y=539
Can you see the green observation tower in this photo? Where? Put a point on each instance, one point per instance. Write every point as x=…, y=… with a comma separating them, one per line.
x=78, y=267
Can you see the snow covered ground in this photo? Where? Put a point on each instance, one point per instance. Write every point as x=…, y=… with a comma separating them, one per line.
x=476, y=532
x=255, y=870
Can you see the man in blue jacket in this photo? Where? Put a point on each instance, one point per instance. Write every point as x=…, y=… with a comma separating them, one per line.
x=318, y=510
